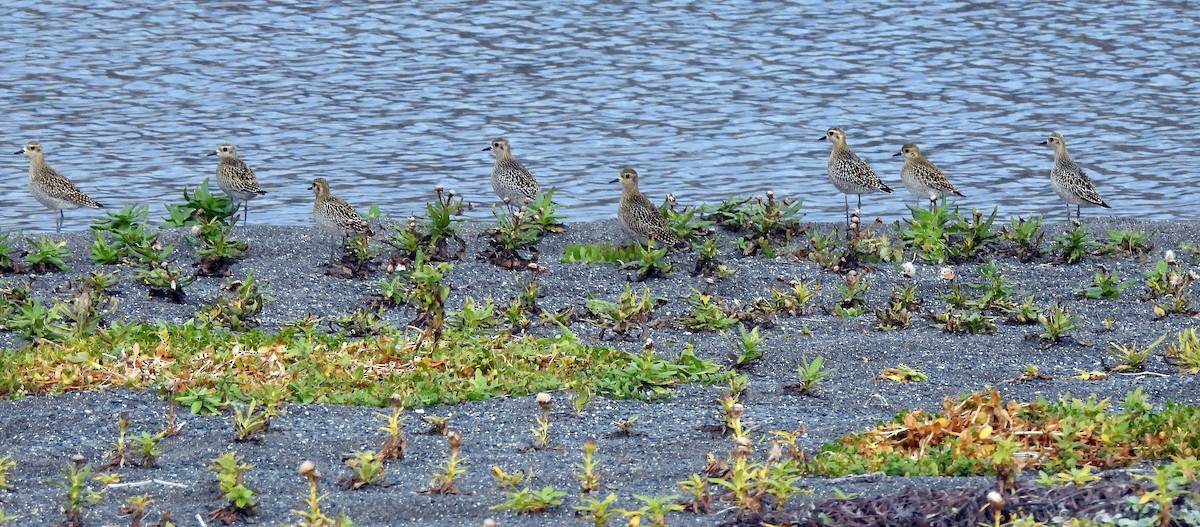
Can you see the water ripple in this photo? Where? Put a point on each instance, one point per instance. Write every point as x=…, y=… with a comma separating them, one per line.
x=707, y=100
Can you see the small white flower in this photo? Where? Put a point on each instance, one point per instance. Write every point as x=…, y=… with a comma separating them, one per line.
x=908, y=270
x=1170, y=257
x=947, y=274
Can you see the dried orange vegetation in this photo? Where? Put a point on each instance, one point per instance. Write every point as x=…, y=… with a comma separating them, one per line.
x=982, y=434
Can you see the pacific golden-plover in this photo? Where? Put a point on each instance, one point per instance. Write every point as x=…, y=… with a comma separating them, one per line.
x=923, y=178
x=51, y=188
x=333, y=215
x=1068, y=179
x=639, y=218
x=848, y=172
x=510, y=179
x=236, y=178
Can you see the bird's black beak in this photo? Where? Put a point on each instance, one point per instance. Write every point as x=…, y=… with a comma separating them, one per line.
x=821, y=139
x=310, y=186
x=19, y=152
x=486, y=149
x=213, y=153
x=1046, y=142
x=898, y=154
x=614, y=181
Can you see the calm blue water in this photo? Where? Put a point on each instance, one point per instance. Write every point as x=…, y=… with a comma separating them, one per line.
x=705, y=99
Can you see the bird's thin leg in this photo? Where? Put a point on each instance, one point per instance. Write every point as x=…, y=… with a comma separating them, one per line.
x=1078, y=214
x=859, y=210
x=58, y=223
x=847, y=198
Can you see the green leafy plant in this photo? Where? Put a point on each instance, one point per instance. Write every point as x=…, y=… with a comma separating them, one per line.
x=527, y=500
x=427, y=293
x=47, y=254
x=793, y=301
x=852, y=295
x=1132, y=357
x=810, y=374
x=655, y=508
x=1168, y=284
x=78, y=493
x=1071, y=246
x=432, y=238
x=251, y=422
x=6, y=466
x=1106, y=285
x=199, y=207
x=1026, y=236
x=706, y=314
x=598, y=511
x=366, y=467
x=216, y=250
x=1184, y=352
x=314, y=516
x=648, y=262
x=541, y=432
x=164, y=280
x=119, y=455
x=236, y=310
x=393, y=446
x=231, y=471
x=147, y=447
x=588, y=471
x=747, y=347
x=79, y=315
x=506, y=480
x=944, y=235
x=521, y=228
x=1056, y=322
x=122, y=234
x=630, y=311
x=1126, y=243
x=599, y=253
x=686, y=223
x=765, y=223
x=135, y=508
x=8, y=264
x=901, y=305
x=445, y=482
x=902, y=373
x=201, y=400
x=700, y=497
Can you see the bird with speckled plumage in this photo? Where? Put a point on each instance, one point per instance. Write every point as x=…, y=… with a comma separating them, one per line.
x=1068, y=179
x=639, y=218
x=51, y=188
x=333, y=214
x=235, y=177
x=510, y=179
x=849, y=173
x=923, y=178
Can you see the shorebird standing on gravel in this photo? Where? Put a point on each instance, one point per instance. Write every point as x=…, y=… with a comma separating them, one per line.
x=848, y=172
x=510, y=179
x=1069, y=181
x=923, y=178
x=51, y=188
x=639, y=218
x=236, y=178
x=333, y=215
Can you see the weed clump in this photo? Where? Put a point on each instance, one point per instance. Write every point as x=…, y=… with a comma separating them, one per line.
x=241, y=501
x=436, y=238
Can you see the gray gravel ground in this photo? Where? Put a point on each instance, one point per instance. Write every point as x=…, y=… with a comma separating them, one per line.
x=43, y=431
